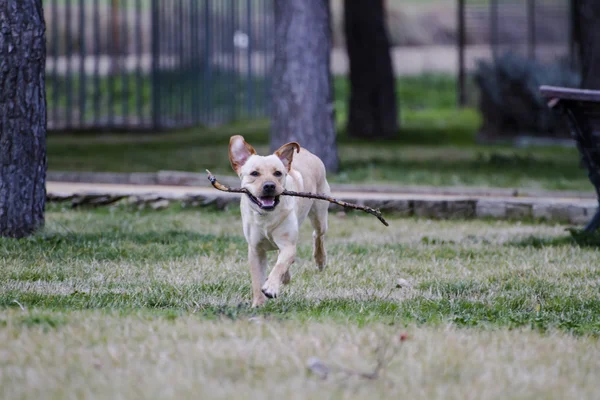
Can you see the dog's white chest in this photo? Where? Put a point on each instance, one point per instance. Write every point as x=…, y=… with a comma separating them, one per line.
x=269, y=230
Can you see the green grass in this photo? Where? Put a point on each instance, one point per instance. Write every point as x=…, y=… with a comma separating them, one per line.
x=478, y=273
x=412, y=159
x=121, y=302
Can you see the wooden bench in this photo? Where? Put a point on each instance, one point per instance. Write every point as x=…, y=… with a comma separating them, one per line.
x=581, y=108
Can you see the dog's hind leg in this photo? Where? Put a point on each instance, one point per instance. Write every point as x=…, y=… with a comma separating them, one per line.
x=318, y=220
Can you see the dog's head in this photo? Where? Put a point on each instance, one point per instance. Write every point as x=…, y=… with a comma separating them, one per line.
x=263, y=177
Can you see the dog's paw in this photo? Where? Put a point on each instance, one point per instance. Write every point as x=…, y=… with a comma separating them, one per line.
x=259, y=301
x=271, y=288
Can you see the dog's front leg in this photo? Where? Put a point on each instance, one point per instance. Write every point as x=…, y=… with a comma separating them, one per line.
x=258, y=267
x=286, y=258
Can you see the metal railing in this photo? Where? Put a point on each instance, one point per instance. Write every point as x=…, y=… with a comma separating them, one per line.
x=156, y=64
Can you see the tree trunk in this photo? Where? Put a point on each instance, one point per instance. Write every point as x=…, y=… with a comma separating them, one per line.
x=587, y=33
x=372, y=108
x=22, y=117
x=302, y=88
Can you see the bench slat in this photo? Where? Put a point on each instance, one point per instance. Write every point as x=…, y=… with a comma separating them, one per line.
x=564, y=93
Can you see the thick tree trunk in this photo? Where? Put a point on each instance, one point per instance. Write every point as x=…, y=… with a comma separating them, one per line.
x=22, y=117
x=373, y=111
x=587, y=33
x=302, y=88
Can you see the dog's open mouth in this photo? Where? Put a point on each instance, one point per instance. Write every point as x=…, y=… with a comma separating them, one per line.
x=266, y=203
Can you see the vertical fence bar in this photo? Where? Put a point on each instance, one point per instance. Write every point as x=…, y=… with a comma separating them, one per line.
x=55, y=82
x=82, y=59
x=214, y=60
x=186, y=39
x=494, y=28
x=181, y=75
x=195, y=51
x=190, y=73
x=249, y=49
x=96, y=34
x=462, y=100
x=221, y=55
x=269, y=43
x=260, y=35
x=177, y=63
x=161, y=75
x=257, y=50
x=173, y=61
x=155, y=90
x=226, y=51
x=267, y=40
x=166, y=77
x=233, y=67
x=69, y=72
x=225, y=78
x=111, y=36
x=265, y=45
x=207, y=82
x=192, y=64
x=188, y=65
x=123, y=60
x=138, y=66
x=531, y=26
x=215, y=111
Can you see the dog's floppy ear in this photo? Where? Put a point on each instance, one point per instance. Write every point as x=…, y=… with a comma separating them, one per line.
x=239, y=152
x=286, y=153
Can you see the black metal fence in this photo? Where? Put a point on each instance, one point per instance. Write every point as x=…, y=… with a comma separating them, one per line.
x=155, y=64
x=537, y=29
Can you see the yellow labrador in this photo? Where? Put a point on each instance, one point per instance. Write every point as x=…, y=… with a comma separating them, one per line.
x=271, y=221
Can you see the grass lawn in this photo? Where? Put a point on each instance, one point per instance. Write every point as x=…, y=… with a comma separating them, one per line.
x=137, y=304
x=412, y=159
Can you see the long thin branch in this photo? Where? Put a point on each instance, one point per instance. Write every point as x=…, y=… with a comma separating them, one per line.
x=219, y=186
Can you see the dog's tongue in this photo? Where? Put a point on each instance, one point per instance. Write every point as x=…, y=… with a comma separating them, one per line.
x=267, y=201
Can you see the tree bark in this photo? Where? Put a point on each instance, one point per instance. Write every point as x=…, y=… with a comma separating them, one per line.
x=302, y=88
x=372, y=110
x=587, y=34
x=22, y=117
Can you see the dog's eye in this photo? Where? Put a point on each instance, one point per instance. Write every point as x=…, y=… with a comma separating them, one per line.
x=254, y=173
x=277, y=173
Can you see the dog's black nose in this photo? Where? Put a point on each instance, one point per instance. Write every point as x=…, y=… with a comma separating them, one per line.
x=269, y=187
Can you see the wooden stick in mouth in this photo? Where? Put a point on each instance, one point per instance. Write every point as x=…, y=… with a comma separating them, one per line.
x=224, y=188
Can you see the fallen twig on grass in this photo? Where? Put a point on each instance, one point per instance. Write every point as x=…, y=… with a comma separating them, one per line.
x=385, y=353
x=224, y=188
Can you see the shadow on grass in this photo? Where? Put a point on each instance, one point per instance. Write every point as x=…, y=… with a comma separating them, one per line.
x=585, y=239
x=119, y=246
x=577, y=237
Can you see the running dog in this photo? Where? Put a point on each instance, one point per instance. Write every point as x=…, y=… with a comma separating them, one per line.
x=271, y=221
